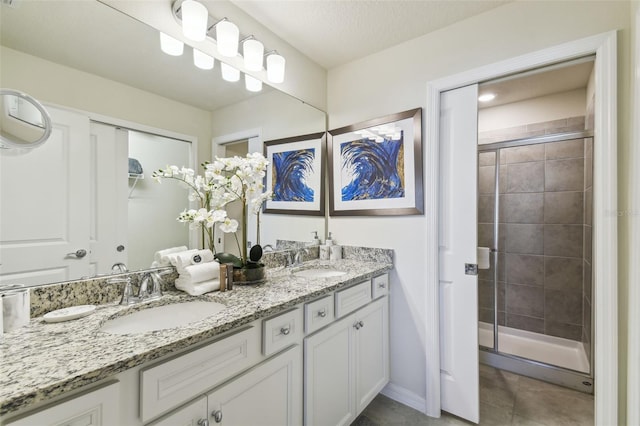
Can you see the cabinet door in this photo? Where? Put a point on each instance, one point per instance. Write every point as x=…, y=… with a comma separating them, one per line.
x=329, y=385
x=192, y=414
x=270, y=394
x=371, y=351
x=96, y=408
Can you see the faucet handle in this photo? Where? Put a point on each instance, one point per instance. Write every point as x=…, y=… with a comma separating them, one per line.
x=156, y=289
x=127, y=292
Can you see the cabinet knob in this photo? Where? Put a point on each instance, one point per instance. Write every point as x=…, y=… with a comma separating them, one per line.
x=217, y=416
x=381, y=285
x=203, y=422
x=285, y=330
x=361, y=324
x=322, y=313
x=358, y=325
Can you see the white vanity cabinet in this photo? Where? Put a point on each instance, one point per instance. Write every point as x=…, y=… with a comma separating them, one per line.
x=347, y=363
x=97, y=407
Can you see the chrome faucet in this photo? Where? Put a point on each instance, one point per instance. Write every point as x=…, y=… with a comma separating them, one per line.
x=295, y=257
x=118, y=268
x=149, y=287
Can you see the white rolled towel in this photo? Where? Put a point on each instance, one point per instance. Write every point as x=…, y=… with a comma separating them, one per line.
x=200, y=256
x=157, y=257
x=202, y=272
x=176, y=259
x=197, y=289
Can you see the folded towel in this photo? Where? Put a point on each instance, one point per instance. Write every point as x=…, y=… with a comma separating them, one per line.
x=157, y=257
x=202, y=272
x=135, y=167
x=174, y=258
x=201, y=256
x=197, y=289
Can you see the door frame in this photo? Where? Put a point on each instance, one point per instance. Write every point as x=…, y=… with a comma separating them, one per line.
x=605, y=207
x=633, y=339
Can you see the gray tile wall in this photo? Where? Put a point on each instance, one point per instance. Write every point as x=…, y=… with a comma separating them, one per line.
x=543, y=223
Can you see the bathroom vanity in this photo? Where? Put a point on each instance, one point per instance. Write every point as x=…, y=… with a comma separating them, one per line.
x=300, y=349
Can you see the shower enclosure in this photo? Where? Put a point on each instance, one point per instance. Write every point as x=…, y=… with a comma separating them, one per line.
x=535, y=200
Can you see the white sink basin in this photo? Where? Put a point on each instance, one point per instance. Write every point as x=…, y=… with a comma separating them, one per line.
x=162, y=317
x=319, y=273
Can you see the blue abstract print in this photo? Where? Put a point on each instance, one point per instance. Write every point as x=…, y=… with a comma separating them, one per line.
x=291, y=170
x=372, y=170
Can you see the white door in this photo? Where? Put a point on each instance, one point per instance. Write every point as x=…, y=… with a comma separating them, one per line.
x=458, y=239
x=109, y=191
x=44, y=214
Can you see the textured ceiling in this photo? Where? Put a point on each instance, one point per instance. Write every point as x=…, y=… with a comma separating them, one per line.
x=334, y=32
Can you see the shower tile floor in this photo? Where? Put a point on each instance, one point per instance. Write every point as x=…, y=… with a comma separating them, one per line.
x=505, y=399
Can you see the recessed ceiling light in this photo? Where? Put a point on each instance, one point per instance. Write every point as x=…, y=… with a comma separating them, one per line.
x=486, y=97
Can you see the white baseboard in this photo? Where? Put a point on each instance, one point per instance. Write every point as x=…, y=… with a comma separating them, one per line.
x=405, y=397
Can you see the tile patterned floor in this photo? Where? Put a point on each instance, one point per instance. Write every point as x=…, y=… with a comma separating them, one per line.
x=505, y=399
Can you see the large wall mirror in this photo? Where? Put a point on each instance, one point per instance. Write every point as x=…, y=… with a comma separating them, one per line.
x=86, y=59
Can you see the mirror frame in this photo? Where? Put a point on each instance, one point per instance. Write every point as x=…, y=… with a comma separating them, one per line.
x=6, y=143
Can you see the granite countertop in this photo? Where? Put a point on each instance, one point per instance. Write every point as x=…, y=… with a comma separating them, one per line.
x=43, y=360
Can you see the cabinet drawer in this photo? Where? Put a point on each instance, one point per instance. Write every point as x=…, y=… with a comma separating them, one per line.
x=380, y=286
x=173, y=382
x=352, y=298
x=317, y=314
x=281, y=331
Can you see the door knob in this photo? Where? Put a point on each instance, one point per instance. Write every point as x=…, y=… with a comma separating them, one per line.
x=217, y=416
x=80, y=253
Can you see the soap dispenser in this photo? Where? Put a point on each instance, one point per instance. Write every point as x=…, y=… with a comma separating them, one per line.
x=316, y=240
x=329, y=240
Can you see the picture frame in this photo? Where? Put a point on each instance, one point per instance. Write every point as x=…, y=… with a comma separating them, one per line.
x=296, y=175
x=375, y=167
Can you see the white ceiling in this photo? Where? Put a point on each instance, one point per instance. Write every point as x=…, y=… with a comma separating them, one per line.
x=334, y=32
x=92, y=37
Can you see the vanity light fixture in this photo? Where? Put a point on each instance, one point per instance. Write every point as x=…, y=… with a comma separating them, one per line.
x=229, y=73
x=486, y=97
x=194, y=20
x=170, y=45
x=275, y=67
x=252, y=84
x=253, y=52
x=202, y=60
x=227, y=36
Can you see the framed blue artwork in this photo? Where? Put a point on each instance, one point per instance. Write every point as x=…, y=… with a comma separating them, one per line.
x=375, y=167
x=295, y=175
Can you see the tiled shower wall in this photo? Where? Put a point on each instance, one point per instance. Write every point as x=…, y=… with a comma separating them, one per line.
x=542, y=221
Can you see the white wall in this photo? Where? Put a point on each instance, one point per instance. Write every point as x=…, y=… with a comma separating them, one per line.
x=275, y=116
x=536, y=110
x=395, y=80
x=153, y=207
x=64, y=86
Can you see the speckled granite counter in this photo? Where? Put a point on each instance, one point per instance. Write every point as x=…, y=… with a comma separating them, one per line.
x=43, y=360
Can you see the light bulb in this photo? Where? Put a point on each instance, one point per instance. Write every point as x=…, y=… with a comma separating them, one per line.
x=253, y=52
x=194, y=20
x=229, y=73
x=486, y=97
x=252, y=84
x=275, y=68
x=202, y=60
x=170, y=45
x=227, y=34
